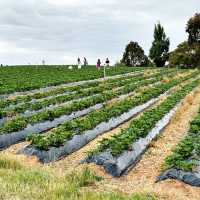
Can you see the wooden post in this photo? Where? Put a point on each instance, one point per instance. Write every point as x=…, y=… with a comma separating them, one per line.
x=104, y=72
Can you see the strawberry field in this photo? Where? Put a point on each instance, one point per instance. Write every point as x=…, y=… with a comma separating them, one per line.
x=23, y=78
x=108, y=125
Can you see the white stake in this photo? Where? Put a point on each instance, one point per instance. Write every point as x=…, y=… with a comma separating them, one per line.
x=104, y=67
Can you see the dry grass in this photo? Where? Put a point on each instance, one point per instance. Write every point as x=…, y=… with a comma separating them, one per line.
x=19, y=182
x=150, y=72
x=165, y=80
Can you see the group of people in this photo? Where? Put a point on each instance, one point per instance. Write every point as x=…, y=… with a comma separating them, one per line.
x=107, y=63
x=85, y=62
x=99, y=64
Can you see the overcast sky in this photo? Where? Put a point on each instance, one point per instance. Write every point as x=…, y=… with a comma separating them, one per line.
x=61, y=30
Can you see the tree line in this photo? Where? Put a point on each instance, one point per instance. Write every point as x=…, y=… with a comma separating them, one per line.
x=186, y=55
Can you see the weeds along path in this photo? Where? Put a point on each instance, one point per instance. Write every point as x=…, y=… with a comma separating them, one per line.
x=142, y=177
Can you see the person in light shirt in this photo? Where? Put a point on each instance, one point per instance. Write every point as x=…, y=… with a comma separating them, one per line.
x=79, y=63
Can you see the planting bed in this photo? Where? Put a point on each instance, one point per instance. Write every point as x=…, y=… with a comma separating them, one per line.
x=42, y=76
x=184, y=163
x=31, y=96
x=52, y=113
x=61, y=93
x=124, y=150
x=18, y=123
x=73, y=135
x=16, y=129
x=62, y=98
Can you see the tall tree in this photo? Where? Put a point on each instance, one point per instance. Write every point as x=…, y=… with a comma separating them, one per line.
x=185, y=55
x=134, y=55
x=193, y=29
x=159, y=51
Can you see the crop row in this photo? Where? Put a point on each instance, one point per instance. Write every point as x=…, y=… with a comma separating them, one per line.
x=139, y=128
x=36, y=105
x=18, y=123
x=183, y=156
x=35, y=77
x=62, y=133
x=59, y=90
x=67, y=89
x=43, y=94
x=42, y=76
x=68, y=97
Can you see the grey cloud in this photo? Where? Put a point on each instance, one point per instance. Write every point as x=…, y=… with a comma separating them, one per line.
x=95, y=28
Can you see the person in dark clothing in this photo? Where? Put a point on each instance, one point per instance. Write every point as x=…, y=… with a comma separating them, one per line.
x=85, y=62
x=107, y=62
x=79, y=61
x=98, y=64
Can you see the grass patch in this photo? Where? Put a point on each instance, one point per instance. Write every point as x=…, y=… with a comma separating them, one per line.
x=24, y=183
x=83, y=178
x=9, y=164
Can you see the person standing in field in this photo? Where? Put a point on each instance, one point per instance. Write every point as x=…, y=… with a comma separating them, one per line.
x=79, y=63
x=98, y=64
x=107, y=62
x=85, y=62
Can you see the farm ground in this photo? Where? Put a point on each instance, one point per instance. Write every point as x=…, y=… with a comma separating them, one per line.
x=24, y=177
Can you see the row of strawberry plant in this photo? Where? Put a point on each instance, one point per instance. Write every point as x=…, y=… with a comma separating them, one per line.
x=37, y=105
x=183, y=156
x=31, y=106
x=140, y=127
x=35, y=77
x=61, y=89
x=19, y=123
x=61, y=134
x=56, y=91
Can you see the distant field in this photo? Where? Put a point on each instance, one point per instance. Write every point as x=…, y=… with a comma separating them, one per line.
x=22, y=78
